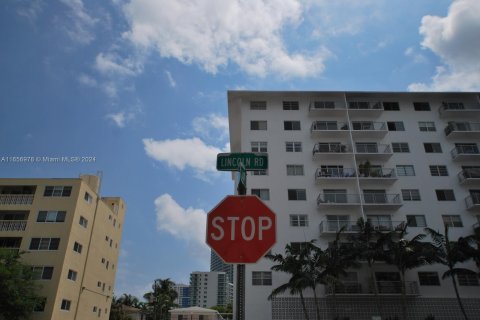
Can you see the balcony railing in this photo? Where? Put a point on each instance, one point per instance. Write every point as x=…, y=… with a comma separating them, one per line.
x=330, y=148
x=473, y=201
x=464, y=151
x=333, y=173
x=395, y=287
x=13, y=225
x=381, y=198
x=338, y=198
x=377, y=173
x=324, y=105
x=368, y=126
x=469, y=174
x=344, y=287
x=457, y=129
x=7, y=199
x=333, y=226
x=386, y=226
x=365, y=105
x=373, y=148
x=328, y=126
x=458, y=108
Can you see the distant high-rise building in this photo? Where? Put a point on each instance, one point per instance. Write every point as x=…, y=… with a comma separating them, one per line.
x=391, y=158
x=72, y=239
x=208, y=289
x=217, y=264
x=183, y=295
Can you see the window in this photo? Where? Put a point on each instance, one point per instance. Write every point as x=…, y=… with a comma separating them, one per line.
x=83, y=222
x=453, y=105
x=293, y=146
x=452, y=221
x=416, y=221
x=44, y=243
x=42, y=272
x=51, y=216
x=427, y=126
x=324, y=104
x=411, y=195
x=77, y=247
x=445, y=195
x=290, y=105
x=40, y=305
x=438, y=171
x=432, y=147
x=258, y=105
x=72, y=275
x=428, y=279
x=94, y=309
x=87, y=197
x=291, y=125
x=467, y=279
x=395, y=126
x=405, y=170
x=263, y=194
x=57, y=191
x=421, y=106
x=400, y=147
x=99, y=284
x=65, y=304
x=391, y=106
x=298, y=220
x=258, y=125
x=261, y=278
x=297, y=194
x=259, y=146
x=294, y=169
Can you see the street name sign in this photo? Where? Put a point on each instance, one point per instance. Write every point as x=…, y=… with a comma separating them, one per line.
x=251, y=161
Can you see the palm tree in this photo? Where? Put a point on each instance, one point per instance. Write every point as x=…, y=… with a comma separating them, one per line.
x=292, y=263
x=449, y=254
x=406, y=255
x=369, y=249
x=162, y=298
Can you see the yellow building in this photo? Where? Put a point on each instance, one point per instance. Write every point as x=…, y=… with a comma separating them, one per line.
x=72, y=239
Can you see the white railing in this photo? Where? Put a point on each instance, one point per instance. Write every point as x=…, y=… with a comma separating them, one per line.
x=338, y=198
x=464, y=149
x=381, y=198
x=368, y=126
x=373, y=148
x=470, y=173
x=13, y=225
x=328, y=126
x=365, y=105
x=7, y=199
x=330, y=148
x=335, y=173
x=462, y=127
x=376, y=173
x=472, y=200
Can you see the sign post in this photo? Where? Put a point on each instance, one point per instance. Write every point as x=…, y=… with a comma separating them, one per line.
x=241, y=229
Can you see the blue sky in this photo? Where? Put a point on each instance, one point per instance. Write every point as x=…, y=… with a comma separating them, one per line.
x=141, y=86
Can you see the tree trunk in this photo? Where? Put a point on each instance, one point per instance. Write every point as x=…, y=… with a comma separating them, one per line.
x=375, y=290
x=316, y=303
x=404, y=296
x=458, y=297
x=304, y=307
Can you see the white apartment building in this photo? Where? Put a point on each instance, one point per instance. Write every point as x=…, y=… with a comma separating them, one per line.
x=385, y=156
x=208, y=289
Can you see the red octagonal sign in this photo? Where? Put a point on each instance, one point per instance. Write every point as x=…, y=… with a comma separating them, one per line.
x=241, y=229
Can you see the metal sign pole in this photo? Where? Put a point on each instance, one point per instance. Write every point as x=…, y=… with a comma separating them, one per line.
x=240, y=303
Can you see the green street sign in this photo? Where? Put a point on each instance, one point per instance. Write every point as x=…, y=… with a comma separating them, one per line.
x=251, y=161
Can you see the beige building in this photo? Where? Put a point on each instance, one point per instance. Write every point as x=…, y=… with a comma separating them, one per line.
x=71, y=236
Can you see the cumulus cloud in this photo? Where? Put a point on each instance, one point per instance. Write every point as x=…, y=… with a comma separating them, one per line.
x=183, y=153
x=188, y=224
x=454, y=38
x=212, y=126
x=80, y=24
x=215, y=33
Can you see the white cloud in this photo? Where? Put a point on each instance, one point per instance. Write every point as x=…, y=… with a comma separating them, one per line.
x=87, y=80
x=212, y=126
x=171, y=81
x=79, y=24
x=454, y=39
x=112, y=64
x=216, y=33
x=31, y=10
x=120, y=118
x=183, y=153
x=184, y=224
x=415, y=55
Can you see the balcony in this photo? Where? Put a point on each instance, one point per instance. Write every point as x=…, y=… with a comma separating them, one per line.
x=334, y=174
x=329, y=129
x=326, y=108
x=344, y=288
x=469, y=176
x=333, y=149
x=365, y=151
x=460, y=130
x=387, y=226
x=333, y=226
x=338, y=199
x=465, y=152
x=458, y=110
x=365, y=108
x=13, y=199
x=367, y=129
x=13, y=225
x=382, y=200
x=473, y=202
x=383, y=288
x=377, y=175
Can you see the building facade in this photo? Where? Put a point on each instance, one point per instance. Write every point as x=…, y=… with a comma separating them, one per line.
x=208, y=289
x=217, y=264
x=71, y=237
x=183, y=295
x=334, y=157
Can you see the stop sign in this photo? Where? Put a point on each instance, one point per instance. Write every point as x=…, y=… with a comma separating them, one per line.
x=241, y=229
